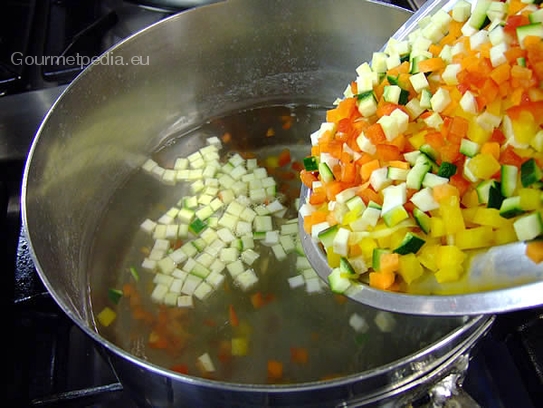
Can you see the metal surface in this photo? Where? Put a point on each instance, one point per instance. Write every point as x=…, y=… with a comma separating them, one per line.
x=499, y=280
x=108, y=121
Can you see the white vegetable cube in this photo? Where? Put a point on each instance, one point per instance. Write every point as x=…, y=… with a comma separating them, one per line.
x=477, y=39
x=497, y=35
x=434, y=120
x=185, y=301
x=161, y=244
x=440, y=100
x=163, y=279
x=290, y=228
x=159, y=292
x=159, y=232
x=341, y=242
x=302, y=263
x=393, y=61
x=279, y=252
x=169, y=177
x=379, y=179
x=358, y=323
x=259, y=195
x=249, y=256
x=364, y=82
x=217, y=266
x=243, y=228
x=176, y=286
x=148, y=226
x=497, y=54
x=424, y=200
x=488, y=121
x=393, y=196
x=156, y=254
x=157, y=172
x=441, y=19
x=467, y=29
x=166, y=265
x=313, y=285
x=468, y=103
x=228, y=221
x=367, y=106
x=170, y=299
x=433, y=32
x=385, y=321
x=215, y=279
x=402, y=119
x=190, y=284
x=450, y=73
x=263, y=223
x=420, y=43
x=414, y=109
x=419, y=82
x=246, y=280
x=149, y=264
x=296, y=281
x=446, y=53
x=205, y=364
x=203, y=291
x=235, y=268
x=229, y=255
x=365, y=144
x=461, y=11
x=378, y=62
x=389, y=126
x=149, y=165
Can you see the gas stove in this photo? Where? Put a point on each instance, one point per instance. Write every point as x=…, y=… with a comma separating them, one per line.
x=51, y=361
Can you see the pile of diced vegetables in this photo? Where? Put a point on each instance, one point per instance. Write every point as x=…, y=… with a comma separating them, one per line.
x=232, y=214
x=435, y=151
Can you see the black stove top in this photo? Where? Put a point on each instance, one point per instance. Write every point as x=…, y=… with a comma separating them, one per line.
x=52, y=362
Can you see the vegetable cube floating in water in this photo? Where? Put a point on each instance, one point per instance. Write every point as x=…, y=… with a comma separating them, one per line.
x=434, y=152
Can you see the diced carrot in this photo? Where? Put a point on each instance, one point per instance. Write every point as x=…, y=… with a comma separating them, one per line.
x=510, y=157
x=534, y=251
x=382, y=280
x=317, y=197
x=180, y=368
x=232, y=316
x=343, y=110
x=492, y=148
x=368, y=194
x=431, y=64
x=501, y=73
x=333, y=188
x=399, y=164
x=388, y=152
x=375, y=133
x=299, y=355
x=389, y=262
x=461, y=184
x=349, y=173
x=443, y=191
x=275, y=370
x=284, y=157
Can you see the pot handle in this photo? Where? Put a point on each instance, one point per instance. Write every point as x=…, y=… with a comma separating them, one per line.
x=436, y=390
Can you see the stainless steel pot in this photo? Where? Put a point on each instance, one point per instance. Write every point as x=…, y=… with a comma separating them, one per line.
x=162, y=82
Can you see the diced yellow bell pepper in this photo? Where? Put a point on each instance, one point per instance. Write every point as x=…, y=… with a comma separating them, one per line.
x=451, y=213
x=477, y=134
x=397, y=237
x=449, y=255
x=106, y=316
x=530, y=198
x=449, y=274
x=524, y=127
x=410, y=268
x=437, y=227
x=418, y=139
x=239, y=346
x=469, y=214
x=332, y=257
x=478, y=237
x=428, y=256
x=490, y=217
x=505, y=235
x=367, y=245
x=470, y=199
x=484, y=166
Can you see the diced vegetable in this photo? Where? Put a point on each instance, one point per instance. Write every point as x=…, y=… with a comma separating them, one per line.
x=449, y=152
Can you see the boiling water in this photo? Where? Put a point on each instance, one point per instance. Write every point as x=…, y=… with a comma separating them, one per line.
x=317, y=322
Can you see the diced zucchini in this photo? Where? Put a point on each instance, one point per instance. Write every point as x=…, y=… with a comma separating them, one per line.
x=311, y=163
x=509, y=177
x=533, y=29
x=511, y=207
x=416, y=175
x=528, y=227
x=410, y=244
x=376, y=257
x=338, y=282
x=469, y=148
x=530, y=173
x=345, y=266
x=422, y=219
x=446, y=169
x=479, y=16
x=325, y=172
x=327, y=236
